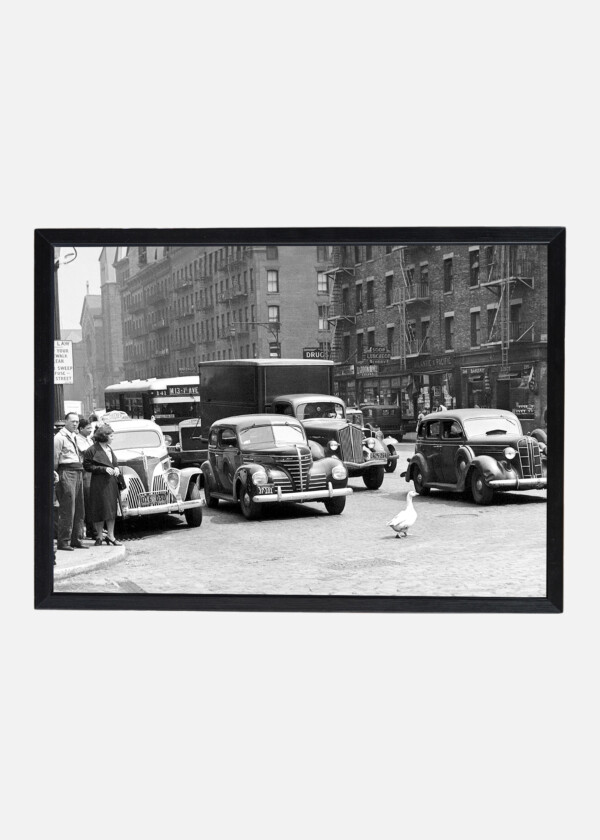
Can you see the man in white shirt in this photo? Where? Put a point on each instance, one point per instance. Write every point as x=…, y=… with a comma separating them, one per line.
x=84, y=441
x=68, y=463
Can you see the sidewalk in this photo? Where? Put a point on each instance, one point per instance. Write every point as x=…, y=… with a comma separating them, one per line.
x=69, y=563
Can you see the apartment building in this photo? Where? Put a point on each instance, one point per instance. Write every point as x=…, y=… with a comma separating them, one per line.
x=183, y=305
x=457, y=325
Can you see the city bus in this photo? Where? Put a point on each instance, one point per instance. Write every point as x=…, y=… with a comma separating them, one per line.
x=166, y=401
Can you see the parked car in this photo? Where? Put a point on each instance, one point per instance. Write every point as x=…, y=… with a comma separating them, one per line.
x=152, y=484
x=478, y=450
x=324, y=421
x=371, y=429
x=258, y=459
x=388, y=418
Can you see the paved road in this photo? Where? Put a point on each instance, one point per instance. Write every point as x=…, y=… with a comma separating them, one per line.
x=456, y=548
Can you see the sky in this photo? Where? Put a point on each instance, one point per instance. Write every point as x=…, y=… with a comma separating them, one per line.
x=72, y=284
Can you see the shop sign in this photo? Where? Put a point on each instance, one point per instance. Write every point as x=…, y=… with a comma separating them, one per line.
x=367, y=370
x=313, y=353
x=525, y=411
x=433, y=363
x=344, y=370
x=377, y=354
x=473, y=370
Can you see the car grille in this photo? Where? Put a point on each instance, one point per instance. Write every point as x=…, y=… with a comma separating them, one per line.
x=529, y=454
x=351, y=444
x=135, y=488
x=297, y=466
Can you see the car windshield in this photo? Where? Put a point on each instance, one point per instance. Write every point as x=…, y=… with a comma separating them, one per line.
x=355, y=417
x=500, y=425
x=309, y=411
x=262, y=437
x=136, y=439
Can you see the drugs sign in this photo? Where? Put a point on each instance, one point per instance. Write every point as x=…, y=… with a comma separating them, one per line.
x=63, y=362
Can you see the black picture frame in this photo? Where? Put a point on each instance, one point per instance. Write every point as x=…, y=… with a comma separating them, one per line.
x=45, y=240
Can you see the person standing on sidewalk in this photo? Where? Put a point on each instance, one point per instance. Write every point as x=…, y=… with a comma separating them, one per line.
x=101, y=462
x=84, y=441
x=69, y=490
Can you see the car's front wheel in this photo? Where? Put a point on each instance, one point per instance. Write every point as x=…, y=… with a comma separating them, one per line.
x=482, y=494
x=419, y=482
x=193, y=516
x=335, y=506
x=249, y=507
x=392, y=463
x=209, y=500
x=374, y=478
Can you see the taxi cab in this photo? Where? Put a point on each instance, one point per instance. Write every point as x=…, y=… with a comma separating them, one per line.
x=152, y=485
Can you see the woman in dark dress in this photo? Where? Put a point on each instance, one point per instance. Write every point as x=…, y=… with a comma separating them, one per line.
x=102, y=463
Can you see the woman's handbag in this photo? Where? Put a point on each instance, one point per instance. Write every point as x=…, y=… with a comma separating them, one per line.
x=121, y=482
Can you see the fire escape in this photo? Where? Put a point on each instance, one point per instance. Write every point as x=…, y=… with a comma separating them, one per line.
x=339, y=309
x=507, y=267
x=230, y=270
x=409, y=293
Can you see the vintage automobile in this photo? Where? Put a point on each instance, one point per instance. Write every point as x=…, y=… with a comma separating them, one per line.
x=477, y=450
x=324, y=420
x=258, y=459
x=370, y=429
x=152, y=484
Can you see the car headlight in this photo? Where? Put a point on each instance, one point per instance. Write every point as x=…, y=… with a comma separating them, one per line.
x=339, y=472
x=168, y=440
x=260, y=477
x=370, y=442
x=510, y=453
x=173, y=478
x=333, y=445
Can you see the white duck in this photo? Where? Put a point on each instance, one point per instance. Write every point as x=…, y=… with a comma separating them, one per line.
x=407, y=517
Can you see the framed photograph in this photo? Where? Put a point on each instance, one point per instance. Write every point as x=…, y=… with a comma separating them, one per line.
x=343, y=420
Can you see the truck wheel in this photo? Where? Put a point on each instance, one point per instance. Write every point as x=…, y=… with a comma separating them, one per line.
x=374, y=478
x=391, y=465
x=249, y=508
x=335, y=506
x=482, y=494
x=210, y=501
x=418, y=481
x=193, y=516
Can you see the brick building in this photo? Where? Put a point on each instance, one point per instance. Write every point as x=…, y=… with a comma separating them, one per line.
x=183, y=305
x=112, y=326
x=92, y=332
x=460, y=325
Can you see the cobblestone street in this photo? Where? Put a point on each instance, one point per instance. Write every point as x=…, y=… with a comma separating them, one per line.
x=456, y=548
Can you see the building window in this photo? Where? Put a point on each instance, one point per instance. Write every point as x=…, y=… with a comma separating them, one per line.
x=251, y=280
x=425, y=274
x=323, y=316
x=370, y=296
x=325, y=347
x=359, y=304
x=424, y=336
x=322, y=253
x=359, y=347
x=368, y=252
x=272, y=281
x=371, y=338
x=390, y=338
x=357, y=253
x=449, y=331
x=489, y=261
x=322, y=283
x=475, y=329
x=272, y=252
x=388, y=249
x=491, y=320
x=474, y=268
x=410, y=275
x=448, y=274
x=346, y=349
x=273, y=314
x=389, y=290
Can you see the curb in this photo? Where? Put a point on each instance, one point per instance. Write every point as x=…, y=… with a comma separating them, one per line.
x=109, y=558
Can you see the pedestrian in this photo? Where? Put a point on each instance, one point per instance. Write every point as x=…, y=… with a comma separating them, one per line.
x=101, y=462
x=84, y=441
x=93, y=421
x=69, y=490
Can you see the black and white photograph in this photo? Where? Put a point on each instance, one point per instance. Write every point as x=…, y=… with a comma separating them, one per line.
x=312, y=420
x=299, y=498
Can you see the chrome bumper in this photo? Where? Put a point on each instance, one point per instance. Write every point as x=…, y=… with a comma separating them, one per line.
x=518, y=483
x=168, y=508
x=301, y=496
x=367, y=465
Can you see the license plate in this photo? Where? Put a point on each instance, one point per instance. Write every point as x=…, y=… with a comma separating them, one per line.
x=379, y=455
x=152, y=499
x=264, y=489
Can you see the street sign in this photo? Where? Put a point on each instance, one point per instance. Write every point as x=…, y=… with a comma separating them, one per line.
x=313, y=353
x=63, y=362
